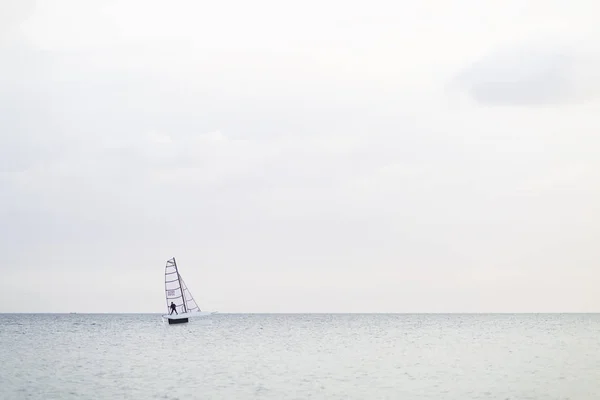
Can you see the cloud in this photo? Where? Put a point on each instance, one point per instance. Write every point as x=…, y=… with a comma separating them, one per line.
x=534, y=75
x=12, y=15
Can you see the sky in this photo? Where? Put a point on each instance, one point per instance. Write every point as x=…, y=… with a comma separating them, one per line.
x=319, y=156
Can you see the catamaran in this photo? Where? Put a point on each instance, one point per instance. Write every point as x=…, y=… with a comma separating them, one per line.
x=176, y=292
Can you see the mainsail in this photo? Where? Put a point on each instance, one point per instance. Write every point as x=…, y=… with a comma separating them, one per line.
x=176, y=291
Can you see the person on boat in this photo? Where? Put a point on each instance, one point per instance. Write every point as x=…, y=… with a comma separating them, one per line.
x=173, y=308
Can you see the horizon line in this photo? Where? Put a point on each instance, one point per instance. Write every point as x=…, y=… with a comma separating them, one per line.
x=306, y=313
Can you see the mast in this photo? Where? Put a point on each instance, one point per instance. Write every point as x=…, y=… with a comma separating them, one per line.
x=180, y=286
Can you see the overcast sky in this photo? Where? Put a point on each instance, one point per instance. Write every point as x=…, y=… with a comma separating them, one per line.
x=317, y=156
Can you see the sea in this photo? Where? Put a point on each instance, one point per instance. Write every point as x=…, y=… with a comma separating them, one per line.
x=301, y=356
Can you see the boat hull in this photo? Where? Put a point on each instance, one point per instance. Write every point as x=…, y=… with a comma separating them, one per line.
x=185, y=317
x=178, y=321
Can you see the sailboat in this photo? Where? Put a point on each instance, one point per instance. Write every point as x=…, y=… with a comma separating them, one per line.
x=177, y=293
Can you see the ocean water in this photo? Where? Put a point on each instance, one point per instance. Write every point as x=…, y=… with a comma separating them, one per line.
x=315, y=356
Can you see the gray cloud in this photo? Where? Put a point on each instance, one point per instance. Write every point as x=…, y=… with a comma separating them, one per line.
x=533, y=75
x=12, y=14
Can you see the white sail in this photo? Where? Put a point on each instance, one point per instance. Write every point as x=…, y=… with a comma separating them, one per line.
x=190, y=303
x=177, y=292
